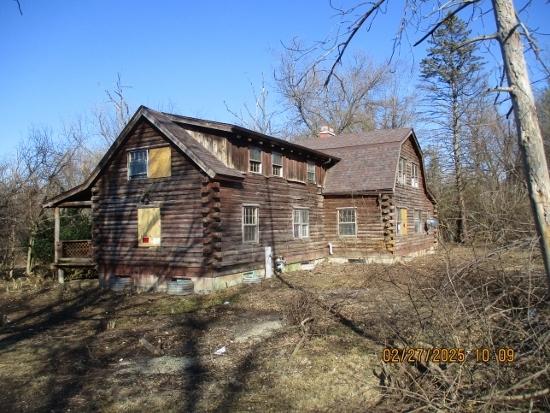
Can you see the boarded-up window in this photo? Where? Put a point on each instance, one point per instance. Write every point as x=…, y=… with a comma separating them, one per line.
x=414, y=175
x=300, y=223
x=137, y=163
x=255, y=160
x=149, y=227
x=277, y=164
x=250, y=224
x=160, y=162
x=347, y=222
x=311, y=172
x=402, y=217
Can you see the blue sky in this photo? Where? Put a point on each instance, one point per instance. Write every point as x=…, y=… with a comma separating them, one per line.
x=60, y=56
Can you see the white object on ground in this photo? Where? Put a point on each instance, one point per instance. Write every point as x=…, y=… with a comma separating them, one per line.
x=220, y=351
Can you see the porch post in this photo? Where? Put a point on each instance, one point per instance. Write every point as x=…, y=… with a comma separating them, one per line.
x=60, y=272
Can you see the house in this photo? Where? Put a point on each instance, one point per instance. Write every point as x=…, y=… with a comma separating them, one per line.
x=179, y=197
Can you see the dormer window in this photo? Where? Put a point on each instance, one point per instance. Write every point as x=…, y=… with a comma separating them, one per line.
x=137, y=164
x=255, y=160
x=276, y=164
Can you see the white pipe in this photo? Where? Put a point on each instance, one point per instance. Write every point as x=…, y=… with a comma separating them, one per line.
x=330, y=248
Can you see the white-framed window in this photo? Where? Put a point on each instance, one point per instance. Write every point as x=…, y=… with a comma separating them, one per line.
x=347, y=222
x=251, y=228
x=401, y=222
x=311, y=172
x=414, y=175
x=255, y=160
x=137, y=164
x=418, y=221
x=300, y=223
x=402, y=172
x=276, y=164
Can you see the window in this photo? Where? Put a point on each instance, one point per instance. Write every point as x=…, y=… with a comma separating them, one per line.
x=402, y=217
x=300, y=223
x=414, y=175
x=150, y=163
x=311, y=172
x=418, y=221
x=255, y=160
x=276, y=164
x=347, y=224
x=401, y=175
x=137, y=163
x=149, y=227
x=250, y=224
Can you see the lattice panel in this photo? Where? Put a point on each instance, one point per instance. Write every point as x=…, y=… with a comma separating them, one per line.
x=75, y=249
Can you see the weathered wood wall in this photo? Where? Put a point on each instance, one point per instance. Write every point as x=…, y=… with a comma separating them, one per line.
x=276, y=199
x=370, y=229
x=115, y=202
x=413, y=199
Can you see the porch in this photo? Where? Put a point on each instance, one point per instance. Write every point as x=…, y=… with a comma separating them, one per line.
x=70, y=253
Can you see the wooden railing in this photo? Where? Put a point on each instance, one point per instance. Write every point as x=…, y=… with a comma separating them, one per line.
x=75, y=249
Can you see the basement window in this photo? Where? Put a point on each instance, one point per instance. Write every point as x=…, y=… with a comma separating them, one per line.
x=401, y=174
x=300, y=223
x=149, y=230
x=414, y=175
x=255, y=160
x=311, y=172
x=347, y=222
x=276, y=164
x=402, y=217
x=250, y=224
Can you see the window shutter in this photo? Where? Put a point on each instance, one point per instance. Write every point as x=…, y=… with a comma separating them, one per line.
x=149, y=226
x=404, y=221
x=160, y=162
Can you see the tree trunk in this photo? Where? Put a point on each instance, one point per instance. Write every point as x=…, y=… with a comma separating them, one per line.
x=461, y=227
x=529, y=135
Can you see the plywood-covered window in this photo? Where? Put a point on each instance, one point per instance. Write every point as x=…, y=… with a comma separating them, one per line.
x=418, y=221
x=149, y=228
x=251, y=227
x=276, y=164
x=347, y=222
x=137, y=163
x=311, y=172
x=414, y=175
x=402, y=171
x=160, y=162
x=402, y=217
x=150, y=163
x=300, y=223
x=255, y=160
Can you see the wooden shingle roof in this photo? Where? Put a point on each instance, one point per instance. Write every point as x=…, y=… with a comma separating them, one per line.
x=368, y=160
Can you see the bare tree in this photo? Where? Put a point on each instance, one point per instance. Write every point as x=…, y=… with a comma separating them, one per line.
x=260, y=117
x=111, y=120
x=509, y=31
x=348, y=104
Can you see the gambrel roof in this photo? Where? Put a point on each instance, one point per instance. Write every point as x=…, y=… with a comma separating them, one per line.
x=369, y=160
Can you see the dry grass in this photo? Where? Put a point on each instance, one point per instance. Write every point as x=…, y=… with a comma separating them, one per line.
x=63, y=347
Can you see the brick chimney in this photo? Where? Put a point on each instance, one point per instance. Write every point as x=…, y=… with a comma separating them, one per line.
x=326, y=132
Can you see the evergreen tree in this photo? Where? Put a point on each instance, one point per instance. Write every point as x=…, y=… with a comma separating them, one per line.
x=451, y=79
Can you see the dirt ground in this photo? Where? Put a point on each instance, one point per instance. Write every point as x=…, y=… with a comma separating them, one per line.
x=77, y=348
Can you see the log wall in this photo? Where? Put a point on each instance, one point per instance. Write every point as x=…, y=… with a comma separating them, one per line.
x=370, y=228
x=413, y=199
x=276, y=198
x=115, y=202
